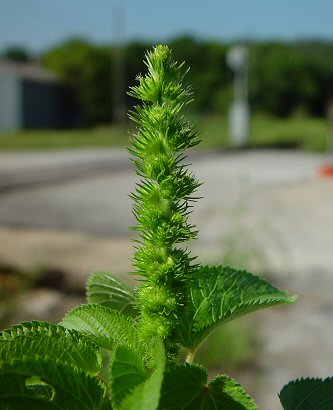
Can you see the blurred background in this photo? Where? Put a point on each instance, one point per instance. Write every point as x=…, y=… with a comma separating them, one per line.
x=262, y=75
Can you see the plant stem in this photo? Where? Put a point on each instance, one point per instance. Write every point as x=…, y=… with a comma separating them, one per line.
x=189, y=357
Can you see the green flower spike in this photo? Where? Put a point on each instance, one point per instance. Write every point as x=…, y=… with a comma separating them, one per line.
x=163, y=195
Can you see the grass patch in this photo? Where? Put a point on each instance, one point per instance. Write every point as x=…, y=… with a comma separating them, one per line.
x=308, y=134
x=266, y=132
x=55, y=139
x=304, y=133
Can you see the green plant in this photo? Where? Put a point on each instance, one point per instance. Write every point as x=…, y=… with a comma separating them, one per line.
x=178, y=303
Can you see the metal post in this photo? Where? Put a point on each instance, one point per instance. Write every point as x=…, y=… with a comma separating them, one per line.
x=239, y=114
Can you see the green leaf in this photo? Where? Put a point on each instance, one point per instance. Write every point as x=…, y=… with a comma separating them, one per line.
x=133, y=388
x=221, y=293
x=45, y=340
x=307, y=394
x=71, y=389
x=185, y=388
x=127, y=371
x=105, y=327
x=105, y=289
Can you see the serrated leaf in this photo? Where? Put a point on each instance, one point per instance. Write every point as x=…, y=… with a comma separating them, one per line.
x=185, y=388
x=133, y=387
x=221, y=293
x=308, y=394
x=107, y=290
x=104, y=326
x=48, y=341
x=72, y=389
x=127, y=371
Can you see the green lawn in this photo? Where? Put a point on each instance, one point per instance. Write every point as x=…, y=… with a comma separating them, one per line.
x=296, y=132
x=47, y=139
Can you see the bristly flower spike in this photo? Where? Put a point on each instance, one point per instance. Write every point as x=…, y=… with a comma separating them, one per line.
x=162, y=197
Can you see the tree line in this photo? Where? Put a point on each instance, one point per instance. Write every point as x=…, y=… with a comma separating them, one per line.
x=284, y=78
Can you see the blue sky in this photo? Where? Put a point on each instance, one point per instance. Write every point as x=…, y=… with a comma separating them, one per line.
x=39, y=24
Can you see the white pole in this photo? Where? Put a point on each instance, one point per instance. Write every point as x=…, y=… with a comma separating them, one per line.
x=239, y=113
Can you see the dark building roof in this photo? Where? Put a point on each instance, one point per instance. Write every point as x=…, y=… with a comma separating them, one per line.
x=28, y=71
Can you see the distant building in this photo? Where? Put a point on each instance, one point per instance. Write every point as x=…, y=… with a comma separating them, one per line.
x=32, y=98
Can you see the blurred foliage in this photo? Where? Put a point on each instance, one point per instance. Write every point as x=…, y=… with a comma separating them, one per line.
x=287, y=78
x=208, y=74
x=284, y=78
x=17, y=54
x=85, y=69
x=238, y=342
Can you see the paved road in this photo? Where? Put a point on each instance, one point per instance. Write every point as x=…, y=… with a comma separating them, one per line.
x=267, y=210
x=252, y=199
x=87, y=190
x=26, y=170
x=81, y=190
